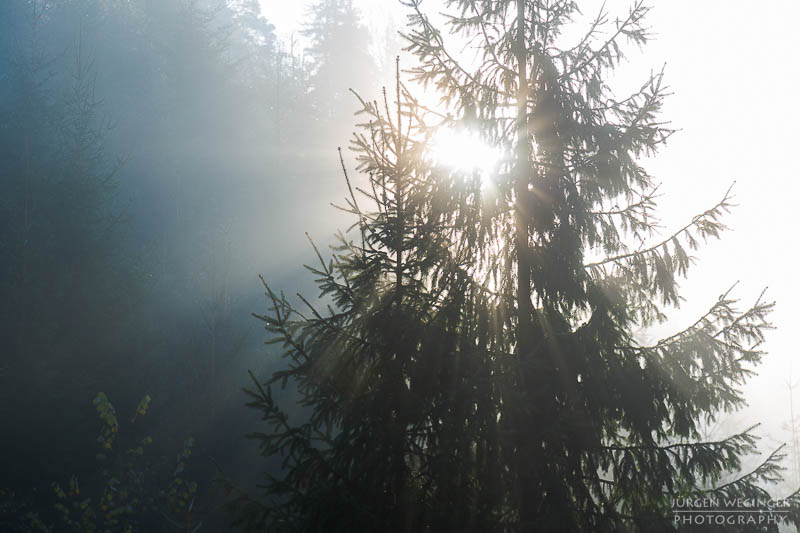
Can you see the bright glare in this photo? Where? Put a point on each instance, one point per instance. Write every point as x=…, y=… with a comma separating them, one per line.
x=463, y=150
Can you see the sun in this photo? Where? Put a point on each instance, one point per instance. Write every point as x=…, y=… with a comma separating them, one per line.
x=464, y=150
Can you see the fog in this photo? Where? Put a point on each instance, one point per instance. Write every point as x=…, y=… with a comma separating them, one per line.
x=207, y=148
x=157, y=156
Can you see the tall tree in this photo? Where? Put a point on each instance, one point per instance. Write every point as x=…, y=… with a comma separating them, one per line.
x=477, y=368
x=338, y=54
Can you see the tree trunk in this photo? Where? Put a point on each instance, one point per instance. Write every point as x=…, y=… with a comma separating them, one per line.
x=524, y=349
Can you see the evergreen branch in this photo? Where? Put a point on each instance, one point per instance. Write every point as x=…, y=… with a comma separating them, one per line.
x=357, y=209
x=686, y=445
x=633, y=17
x=721, y=302
x=645, y=203
x=765, y=470
x=597, y=22
x=699, y=221
x=490, y=46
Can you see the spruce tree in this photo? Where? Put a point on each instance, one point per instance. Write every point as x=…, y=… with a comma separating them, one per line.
x=476, y=367
x=338, y=55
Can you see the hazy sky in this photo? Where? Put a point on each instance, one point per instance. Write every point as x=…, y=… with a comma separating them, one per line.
x=733, y=72
x=288, y=17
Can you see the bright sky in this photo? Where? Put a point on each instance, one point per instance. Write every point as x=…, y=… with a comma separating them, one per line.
x=286, y=16
x=734, y=75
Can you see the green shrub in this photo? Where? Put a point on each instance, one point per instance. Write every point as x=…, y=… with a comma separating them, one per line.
x=131, y=495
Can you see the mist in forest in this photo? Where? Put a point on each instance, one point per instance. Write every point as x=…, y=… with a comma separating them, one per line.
x=157, y=156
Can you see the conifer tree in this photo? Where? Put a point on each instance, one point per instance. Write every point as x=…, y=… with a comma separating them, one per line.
x=338, y=55
x=476, y=368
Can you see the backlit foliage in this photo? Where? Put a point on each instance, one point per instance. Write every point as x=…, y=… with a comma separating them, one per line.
x=129, y=497
x=471, y=364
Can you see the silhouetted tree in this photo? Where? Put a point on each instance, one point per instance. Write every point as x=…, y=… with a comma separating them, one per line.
x=476, y=367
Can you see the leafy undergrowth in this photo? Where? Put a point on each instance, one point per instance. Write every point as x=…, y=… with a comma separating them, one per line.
x=128, y=492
